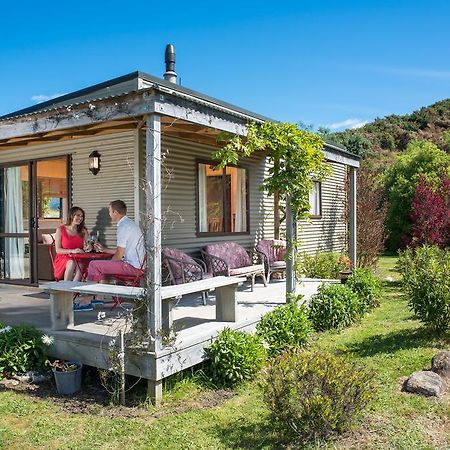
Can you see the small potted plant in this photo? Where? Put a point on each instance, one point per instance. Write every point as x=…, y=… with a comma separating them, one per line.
x=346, y=269
x=67, y=376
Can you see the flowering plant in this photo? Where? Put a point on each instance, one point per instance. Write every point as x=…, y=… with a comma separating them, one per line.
x=59, y=365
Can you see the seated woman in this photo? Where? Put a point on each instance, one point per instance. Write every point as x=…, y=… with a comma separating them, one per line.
x=70, y=238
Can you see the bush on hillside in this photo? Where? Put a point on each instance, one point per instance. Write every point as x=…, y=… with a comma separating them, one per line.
x=400, y=183
x=430, y=213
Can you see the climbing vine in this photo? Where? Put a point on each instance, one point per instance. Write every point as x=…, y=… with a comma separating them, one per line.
x=296, y=156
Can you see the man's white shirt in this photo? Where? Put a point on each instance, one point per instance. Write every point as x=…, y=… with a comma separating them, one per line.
x=129, y=237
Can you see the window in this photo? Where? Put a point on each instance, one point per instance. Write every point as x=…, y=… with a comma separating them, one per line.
x=315, y=200
x=222, y=199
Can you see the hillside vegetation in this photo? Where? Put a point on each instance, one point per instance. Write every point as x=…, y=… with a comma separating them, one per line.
x=393, y=133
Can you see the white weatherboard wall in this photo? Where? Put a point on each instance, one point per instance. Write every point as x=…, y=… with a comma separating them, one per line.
x=92, y=193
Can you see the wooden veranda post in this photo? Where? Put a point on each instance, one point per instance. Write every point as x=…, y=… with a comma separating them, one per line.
x=352, y=225
x=153, y=210
x=291, y=224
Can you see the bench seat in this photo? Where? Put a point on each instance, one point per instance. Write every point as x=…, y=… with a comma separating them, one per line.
x=61, y=297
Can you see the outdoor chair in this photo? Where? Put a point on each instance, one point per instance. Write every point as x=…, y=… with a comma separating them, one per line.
x=183, y=268
x=52, y=252
x=231, y=259
x=272, y=252
x=129, y=280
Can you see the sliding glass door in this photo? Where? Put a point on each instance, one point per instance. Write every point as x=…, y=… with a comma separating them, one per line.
x=14, y=223
x=33, y=203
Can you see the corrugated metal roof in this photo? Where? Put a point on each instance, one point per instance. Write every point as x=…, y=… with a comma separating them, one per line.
x=156, y=83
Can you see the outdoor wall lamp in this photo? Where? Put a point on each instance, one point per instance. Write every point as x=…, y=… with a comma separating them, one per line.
x=94, y=162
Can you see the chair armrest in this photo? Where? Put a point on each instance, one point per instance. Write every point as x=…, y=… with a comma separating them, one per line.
x=190, y=270
x=263, y=258
x=201, y=263
x=216, y=265
x=255, y=257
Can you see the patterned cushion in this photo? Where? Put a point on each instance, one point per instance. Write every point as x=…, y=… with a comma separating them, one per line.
x=234, y=254
x=278, y=265
x=246, y=270
x=274, y=250
x=193, y=271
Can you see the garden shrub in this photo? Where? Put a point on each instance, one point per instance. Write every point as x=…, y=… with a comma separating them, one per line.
x=313, y=394
x=235, y=357
x=21, y=350
x=401, y=179
x=284, y=327
x=367, y=286
x=334, y=306
x=426, y=282
x=430, y=213
x=322, y=265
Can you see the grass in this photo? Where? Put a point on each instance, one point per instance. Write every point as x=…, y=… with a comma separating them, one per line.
x=389, y=341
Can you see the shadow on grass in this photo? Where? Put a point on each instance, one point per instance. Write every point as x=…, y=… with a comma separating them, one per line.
x=239, y=434
x=395, y=341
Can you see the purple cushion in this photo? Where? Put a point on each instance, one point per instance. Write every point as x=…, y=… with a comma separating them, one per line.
x=176, y=267
x=273, y=249
x=234, y=254
x=246, y=270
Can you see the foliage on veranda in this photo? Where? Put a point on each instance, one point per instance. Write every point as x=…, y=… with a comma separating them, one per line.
x=296, y=156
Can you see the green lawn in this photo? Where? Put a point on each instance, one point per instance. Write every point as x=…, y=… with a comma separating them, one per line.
x=389, y=341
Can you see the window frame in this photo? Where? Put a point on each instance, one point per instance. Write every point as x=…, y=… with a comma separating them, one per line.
x=199, y=233
x=317, y=216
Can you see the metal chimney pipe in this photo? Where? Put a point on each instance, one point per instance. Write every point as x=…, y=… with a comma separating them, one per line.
x=170, y=74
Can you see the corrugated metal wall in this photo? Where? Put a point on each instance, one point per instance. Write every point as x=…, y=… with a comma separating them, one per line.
x=92, y=193
x=116, y=180
x=179, y=201
x=329, y=232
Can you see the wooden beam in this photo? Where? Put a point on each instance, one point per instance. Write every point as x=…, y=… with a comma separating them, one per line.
x=124, y=107
x=65, y=137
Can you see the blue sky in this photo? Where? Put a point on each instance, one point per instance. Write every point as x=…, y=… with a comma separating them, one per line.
x=327, y=63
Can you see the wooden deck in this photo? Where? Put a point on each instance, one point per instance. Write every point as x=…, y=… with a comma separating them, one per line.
x=194, y=325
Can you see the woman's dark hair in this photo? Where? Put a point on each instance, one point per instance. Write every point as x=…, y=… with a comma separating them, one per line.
x=72, y=211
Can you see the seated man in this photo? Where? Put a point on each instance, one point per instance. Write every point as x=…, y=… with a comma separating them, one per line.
x=130, y=252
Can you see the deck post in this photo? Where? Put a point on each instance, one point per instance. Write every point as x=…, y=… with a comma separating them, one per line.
x=154, y=391
x=61, y=310
x=226, y=303
x=352, y=224
x=291, y=223
x=153, y=210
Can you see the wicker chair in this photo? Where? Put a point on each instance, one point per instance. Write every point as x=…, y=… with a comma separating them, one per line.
x=231, y=259
x=273, y=253
x=183, y=268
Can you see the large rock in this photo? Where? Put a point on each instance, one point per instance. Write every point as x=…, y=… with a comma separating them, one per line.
x=441, y=365
x=426, y=383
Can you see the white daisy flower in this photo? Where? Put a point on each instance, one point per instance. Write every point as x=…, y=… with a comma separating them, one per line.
x=47, y=340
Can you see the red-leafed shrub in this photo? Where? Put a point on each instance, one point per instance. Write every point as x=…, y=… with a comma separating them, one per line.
x=430, y=214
